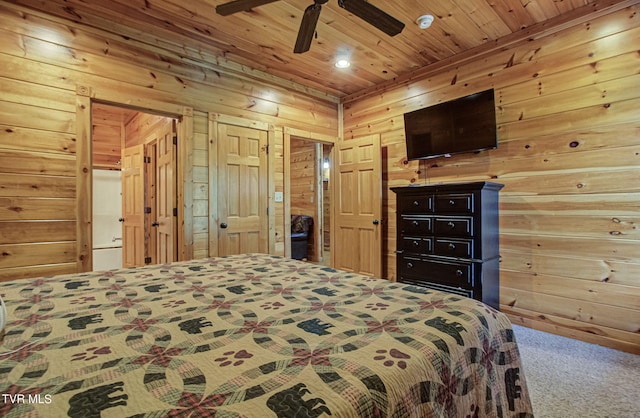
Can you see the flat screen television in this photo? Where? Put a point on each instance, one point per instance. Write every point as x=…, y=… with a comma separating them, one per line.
x=467, y=124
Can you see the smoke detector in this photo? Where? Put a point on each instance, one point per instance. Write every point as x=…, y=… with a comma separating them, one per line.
x=424, y=21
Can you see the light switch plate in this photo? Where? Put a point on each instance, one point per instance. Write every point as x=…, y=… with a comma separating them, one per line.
x=278, y=197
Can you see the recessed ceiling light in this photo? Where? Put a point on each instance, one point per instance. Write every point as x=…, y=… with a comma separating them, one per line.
x=343, y=63
x=424, y=21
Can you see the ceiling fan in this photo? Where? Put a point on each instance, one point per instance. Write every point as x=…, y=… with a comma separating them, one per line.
x=361, y=8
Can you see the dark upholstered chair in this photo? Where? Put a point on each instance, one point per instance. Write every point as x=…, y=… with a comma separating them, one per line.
x=301, y=232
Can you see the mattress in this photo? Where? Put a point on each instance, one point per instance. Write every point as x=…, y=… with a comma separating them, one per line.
x=252, y=335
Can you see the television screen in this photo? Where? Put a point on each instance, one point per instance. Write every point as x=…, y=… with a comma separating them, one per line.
x=462, y=125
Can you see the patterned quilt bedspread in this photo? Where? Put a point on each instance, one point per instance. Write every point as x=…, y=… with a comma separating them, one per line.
x=252, y=336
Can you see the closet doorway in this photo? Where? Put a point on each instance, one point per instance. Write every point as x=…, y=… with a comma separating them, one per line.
x=138, y=151
x=309, y=199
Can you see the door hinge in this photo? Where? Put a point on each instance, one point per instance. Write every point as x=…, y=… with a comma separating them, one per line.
x=175, y=211
x=147, y=210
x=147, y=160
x=147, y=260
x=175, y=139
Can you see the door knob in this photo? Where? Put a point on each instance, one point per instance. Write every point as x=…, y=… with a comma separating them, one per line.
x=376, y=222
x=223, y=225
x=155, y=224
x=121, y=220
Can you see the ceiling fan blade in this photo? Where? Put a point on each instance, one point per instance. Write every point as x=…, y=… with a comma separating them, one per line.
x=239, y=6
x=372, y=15
x=307, y=28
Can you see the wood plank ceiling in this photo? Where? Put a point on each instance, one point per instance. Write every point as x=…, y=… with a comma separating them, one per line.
x=260, y=42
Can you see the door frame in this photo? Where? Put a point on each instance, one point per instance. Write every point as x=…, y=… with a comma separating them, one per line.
x=317, y=139
x=214, y=221
x=85, y=97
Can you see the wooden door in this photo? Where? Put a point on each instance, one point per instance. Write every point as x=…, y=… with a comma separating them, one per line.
x=242, y=190
x=133, y=204
x=358, y=204
x=165, y=225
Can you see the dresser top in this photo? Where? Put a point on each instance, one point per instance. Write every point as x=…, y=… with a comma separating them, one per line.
x=448, y=187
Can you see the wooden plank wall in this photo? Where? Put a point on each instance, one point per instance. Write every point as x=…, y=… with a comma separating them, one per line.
x=281, y=211
x=107, y=126
x=43, y=60
x=200, y=185
x=142, y=126
x=569, y=157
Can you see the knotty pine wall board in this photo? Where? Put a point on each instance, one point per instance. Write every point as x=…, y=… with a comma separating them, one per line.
x=27, y=185
x=572, y=325
x=600, y=292
x=26, y=139
x=576, y=224
x=19, y=162
x=47, y=253
x=43, y=96
x=583, y=268
x=37, y=231
x=615, y=320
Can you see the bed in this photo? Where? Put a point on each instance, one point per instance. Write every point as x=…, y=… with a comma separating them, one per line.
x=252, y=335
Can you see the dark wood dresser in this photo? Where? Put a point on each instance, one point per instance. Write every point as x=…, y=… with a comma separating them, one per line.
x=448, y=238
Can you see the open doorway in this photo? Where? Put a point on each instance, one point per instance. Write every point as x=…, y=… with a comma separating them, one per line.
x=326, y=204
x=310, y=199
x=134, y=187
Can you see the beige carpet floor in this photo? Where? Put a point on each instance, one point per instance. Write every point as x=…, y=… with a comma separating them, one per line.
x=573, y=379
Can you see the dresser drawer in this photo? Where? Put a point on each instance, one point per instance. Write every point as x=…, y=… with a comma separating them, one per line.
x=467, y=292
x=461, y=248
x=419, y=245
x=415, y=204
x=459, y=226
x=416, y=225
x=458, y=274
x=454, y=203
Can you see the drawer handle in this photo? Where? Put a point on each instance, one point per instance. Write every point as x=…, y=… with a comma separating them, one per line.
x=416, y=203
x=416, y=223
x=409, y=265
x=451, y=225
x=452, y=202
x=416, y=243
x=452, y=246
x=459, y=273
